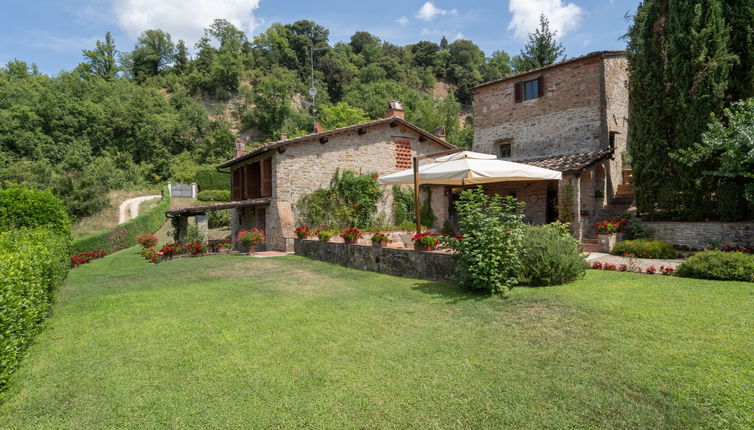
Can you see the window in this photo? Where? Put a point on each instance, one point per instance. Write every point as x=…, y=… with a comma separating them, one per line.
x=504, y=148
x=528, y=90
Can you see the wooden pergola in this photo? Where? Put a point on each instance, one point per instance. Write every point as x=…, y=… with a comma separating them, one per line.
x=200, y=213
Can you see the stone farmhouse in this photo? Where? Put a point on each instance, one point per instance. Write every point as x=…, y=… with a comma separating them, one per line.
x=268, y=181
x=571, y=116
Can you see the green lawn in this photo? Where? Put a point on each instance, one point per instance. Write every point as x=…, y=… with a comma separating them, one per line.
x=235, y=342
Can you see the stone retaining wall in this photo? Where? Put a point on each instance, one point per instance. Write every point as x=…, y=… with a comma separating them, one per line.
x=704, y=234
x=391, y=261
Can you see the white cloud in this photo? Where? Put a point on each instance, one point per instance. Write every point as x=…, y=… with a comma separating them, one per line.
x=183, y=19
x=458, y=36
x=429, y=11
x=402, y=21
x=563, y=17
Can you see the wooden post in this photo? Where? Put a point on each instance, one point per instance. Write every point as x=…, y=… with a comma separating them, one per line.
x=417, y=209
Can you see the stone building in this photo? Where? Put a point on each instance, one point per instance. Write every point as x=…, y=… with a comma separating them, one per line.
x=572, y=117
x=268, y=181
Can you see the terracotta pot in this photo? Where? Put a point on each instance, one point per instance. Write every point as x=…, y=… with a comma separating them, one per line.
x=378, y=244
x=424, y=248
x=302, y=237
x=350, y=241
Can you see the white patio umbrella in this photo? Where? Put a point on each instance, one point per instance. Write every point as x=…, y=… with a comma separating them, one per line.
x=470, y=168
x=465, y=168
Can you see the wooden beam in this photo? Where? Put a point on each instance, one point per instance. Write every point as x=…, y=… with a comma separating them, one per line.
x=394, y=124
x=281, y=149
x=323, y=140
x=361, y=131
x=422, y=138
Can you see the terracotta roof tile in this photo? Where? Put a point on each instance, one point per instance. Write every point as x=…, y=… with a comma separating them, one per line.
x=569, y=162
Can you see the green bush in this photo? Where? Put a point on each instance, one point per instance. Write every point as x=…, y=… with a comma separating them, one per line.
x=725, y=266
x=219, y=219
x=29, y=208
x=124, y=235
x=33, y=264
x=550, y=257
x=403, y=205
x=350, y=201
x=644, y=248
x=489, y=254
x=213, y=196
x=211, y=179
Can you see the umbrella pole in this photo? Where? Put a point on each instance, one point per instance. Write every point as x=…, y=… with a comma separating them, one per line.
x=416, y=197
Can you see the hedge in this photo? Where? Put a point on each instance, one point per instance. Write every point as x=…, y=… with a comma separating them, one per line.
x=211, y=179
x=22, y=207
x=725, y=266
x=213, y=196
x=124, y=235
x=33, y=264
x=644, y=248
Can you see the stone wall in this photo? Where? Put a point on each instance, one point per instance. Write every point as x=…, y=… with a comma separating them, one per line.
x=616, y=116
x=704, y=234
x=565, y=119
x=390, y=261
x=534, y=194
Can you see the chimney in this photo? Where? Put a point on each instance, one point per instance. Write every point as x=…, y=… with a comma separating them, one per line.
x=395, y=109
x=240, y=148
x=283, y=136
x=440, y=132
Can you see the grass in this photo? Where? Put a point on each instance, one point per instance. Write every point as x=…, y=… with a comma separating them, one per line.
x=235, y=342
x=107, y=218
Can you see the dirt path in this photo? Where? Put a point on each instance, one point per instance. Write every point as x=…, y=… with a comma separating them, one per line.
x=130, y=208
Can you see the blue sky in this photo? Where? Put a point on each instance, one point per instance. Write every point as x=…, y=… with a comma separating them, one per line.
x=52, y=33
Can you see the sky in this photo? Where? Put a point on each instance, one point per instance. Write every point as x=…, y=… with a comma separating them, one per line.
x=52, y=33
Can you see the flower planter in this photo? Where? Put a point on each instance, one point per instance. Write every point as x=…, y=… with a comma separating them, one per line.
x=607, y=241
x=424, y=248
x=378, y=244
x=349, y=241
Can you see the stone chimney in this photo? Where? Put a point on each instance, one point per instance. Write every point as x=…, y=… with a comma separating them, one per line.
x=395, y=109
x=283, y=136
x=240, y=148
x=440, y=132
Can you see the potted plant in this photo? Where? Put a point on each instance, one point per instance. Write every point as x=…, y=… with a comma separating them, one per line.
x=425, y=241
x=196, y=249
x=303, y=232
x=609, y=233
x=351, y=235
x=324, y=235
x=224, y=247
x=379, y=239
x=251, y=238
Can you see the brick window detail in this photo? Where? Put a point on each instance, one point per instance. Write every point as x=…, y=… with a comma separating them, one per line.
x=403, y=159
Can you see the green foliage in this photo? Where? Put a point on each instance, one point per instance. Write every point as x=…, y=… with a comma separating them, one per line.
x=635, y=230
x=542, y=48
x=341, y=115
x=725, y=266
x=550, y=256
x=193, y=235
x=219, y=219
x=489, y=255
x=211, y=179
x=124, y=235
x=271, y=100
x=349, y=202
x=681, y=55
x=403, y=205
x=29, y=208
x=213, y=196
x=102, y=61
x=426, y=215
x=33, y=264
x=644, y=248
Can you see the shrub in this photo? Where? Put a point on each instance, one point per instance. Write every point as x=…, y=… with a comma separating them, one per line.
x=644, y=248
x=124, y=235
x=349, y=201
x=352, y=234
x=213, y=196
x=211, y=179
x=33, y=264
x=726, y=266
x=218, y=219
x=250, y=238
x=426, y=239
x=29, y=208
x=147, y=240
x=635, y=230
x=403, y=205
x=324, y=235
x=492, y=228
x=549, y=257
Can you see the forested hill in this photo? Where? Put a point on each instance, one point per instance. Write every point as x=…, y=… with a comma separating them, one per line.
x=124, y=118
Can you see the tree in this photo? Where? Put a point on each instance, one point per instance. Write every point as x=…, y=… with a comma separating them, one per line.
x=362, y=41
x=272, y=101
x=102, y=60
x=425, y=53
x=154, y=51
x=341, y=115
x=501, y=62
x=181, y=57
x=542, y=48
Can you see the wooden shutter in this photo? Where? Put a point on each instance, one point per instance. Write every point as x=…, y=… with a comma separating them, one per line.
x=235, y=184
x=253, y=185
x=518, y=92
x=540, y=86
x=267, y=177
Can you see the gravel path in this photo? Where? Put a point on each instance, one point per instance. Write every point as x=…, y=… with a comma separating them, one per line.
x=641, y=263
x=130, y=208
